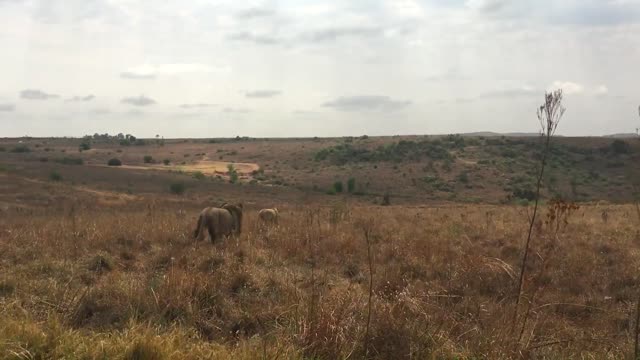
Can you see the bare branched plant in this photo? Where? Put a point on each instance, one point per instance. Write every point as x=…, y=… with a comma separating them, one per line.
x=549, y=115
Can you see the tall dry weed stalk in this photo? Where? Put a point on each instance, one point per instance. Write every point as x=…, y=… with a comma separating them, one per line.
x=367, y=228
x=549, y=115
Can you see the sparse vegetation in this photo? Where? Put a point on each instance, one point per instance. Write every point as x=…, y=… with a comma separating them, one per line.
x=55, y=176
x=21, y=149
x=166, y=162
x=178, y=188
x=148, y=159
x=70, y=161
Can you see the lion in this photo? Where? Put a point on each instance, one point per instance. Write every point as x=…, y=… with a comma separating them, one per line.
x=220, y=222
x=268, y=215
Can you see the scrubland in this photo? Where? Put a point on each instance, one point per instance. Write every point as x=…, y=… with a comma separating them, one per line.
x=346, y=280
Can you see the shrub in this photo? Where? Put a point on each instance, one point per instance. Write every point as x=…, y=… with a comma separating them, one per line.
x=351, y=185
x=21, y=149
x=233, y=174
x=337, y=186
x=55, y=176
x=166, y=161
x=463, y=178
x=199, y=175
x=148, y=159
x=526, y=194
x=2, y=149
x=85, y=145
x=177, y=188
x=619, y=147
x=114, y=162
x=386, y=199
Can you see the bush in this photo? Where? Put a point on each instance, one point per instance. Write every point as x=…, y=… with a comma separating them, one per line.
x=55, y=176
x=526, y=194
x=233, y=174
x=463, y=178
x=199, y=175
x=114, y=162
x=337, y=186
x=351, y=185
x=166, y=161
x=148, y=159
x=386, y=199
x=20, y=149
x=2, y=149
x=177, y=188
x=85, y=145
x=619, y=147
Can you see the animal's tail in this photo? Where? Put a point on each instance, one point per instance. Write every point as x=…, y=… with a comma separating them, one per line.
x=199, y=228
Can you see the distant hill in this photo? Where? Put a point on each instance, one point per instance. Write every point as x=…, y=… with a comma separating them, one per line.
x=623, y=136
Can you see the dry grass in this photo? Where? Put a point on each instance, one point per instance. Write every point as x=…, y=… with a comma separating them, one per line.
x=130, y=284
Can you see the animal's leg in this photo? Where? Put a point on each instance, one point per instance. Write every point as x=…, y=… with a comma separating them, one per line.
x=212, y=233
x=198, y=232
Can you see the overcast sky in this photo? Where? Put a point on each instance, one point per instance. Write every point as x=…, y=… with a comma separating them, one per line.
x=210, y=68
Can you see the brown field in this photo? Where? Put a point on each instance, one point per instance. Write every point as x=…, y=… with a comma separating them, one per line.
x=101, y=263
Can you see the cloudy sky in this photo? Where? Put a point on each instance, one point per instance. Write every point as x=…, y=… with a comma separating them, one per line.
x=208, y=68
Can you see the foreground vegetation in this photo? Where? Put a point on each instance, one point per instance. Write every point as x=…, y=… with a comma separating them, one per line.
x=121, y=282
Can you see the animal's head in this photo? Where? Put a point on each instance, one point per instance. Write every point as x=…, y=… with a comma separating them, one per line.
x=236, y=214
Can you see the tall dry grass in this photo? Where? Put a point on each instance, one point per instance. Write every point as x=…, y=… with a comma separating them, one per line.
x=130, y=284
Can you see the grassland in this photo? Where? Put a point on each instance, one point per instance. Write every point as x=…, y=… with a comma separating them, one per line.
x=100, y=262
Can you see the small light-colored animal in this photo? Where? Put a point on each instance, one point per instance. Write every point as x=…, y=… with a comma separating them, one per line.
x=219, y=222
x=268, y=215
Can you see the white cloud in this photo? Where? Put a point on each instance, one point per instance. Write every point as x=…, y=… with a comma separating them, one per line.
x=149, y=71
x=568, y=87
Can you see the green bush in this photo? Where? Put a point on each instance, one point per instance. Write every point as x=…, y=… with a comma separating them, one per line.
x=233, y=174
x=177, y=188
x=148, y=159
x=166, y=161
x=199, y=175
x=114, y=162
x=337, y=186
x=85, y=145
x=55, y=176
x=351, y=185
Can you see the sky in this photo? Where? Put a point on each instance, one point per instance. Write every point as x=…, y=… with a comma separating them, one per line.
x=220, y=68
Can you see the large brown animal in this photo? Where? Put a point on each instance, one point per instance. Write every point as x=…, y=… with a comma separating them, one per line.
x=268, y=216
x=220, y=222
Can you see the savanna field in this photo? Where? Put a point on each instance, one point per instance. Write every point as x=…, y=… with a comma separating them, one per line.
x=99, y=262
